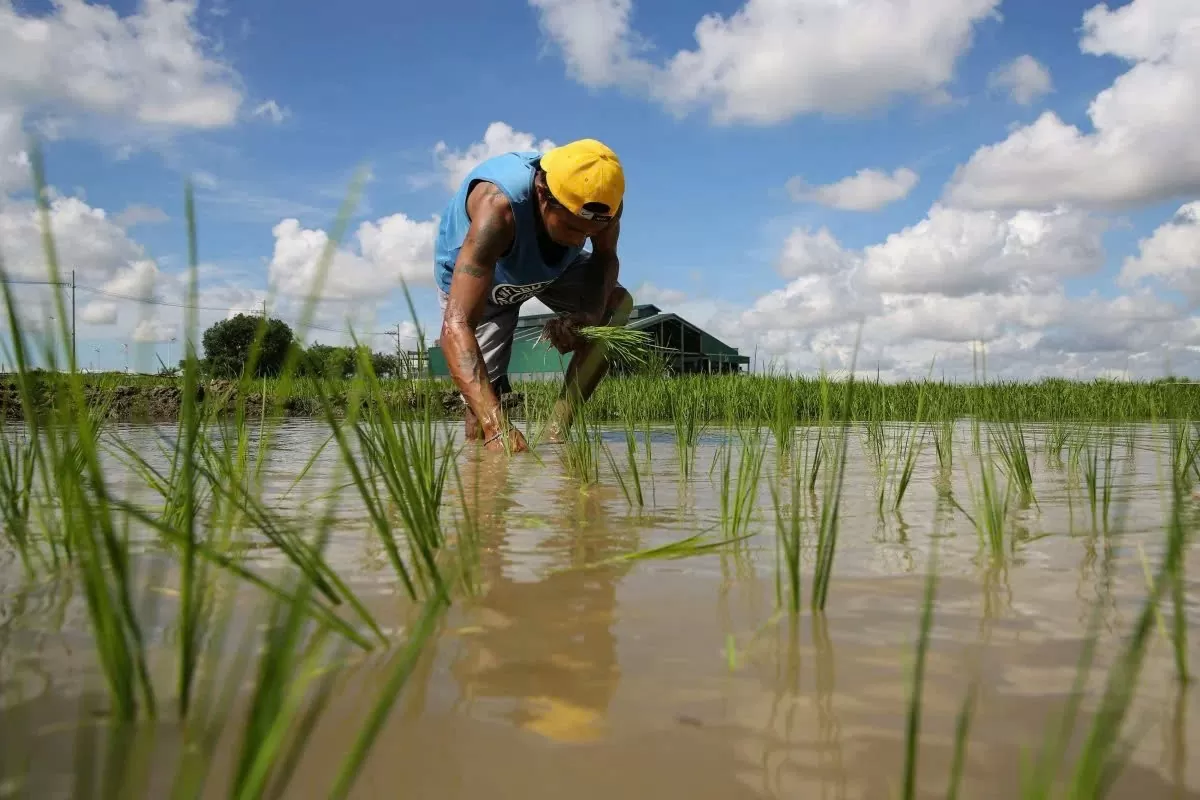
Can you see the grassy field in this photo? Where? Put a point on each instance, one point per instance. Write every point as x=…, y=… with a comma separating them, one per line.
x=713, y=399
x=180, y=560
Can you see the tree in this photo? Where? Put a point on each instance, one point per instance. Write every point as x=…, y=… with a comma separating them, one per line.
x=227, y=345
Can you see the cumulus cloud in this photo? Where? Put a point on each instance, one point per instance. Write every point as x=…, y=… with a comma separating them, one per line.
x=153, y=330
x=1141, y=148
x=866, y=190
x=961, y=280
x=147, y=71
x=774, y=59
x=498, y=138
x=86, y=240
x=1024, y=78
x=99, y=313
x=389, y=250
x=149, y=66
x=1171, y=254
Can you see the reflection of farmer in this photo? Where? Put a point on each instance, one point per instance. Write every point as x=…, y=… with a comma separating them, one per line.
x=515, y=229
x=545, y=644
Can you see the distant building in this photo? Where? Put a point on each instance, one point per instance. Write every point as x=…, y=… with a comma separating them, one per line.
x=682, y=346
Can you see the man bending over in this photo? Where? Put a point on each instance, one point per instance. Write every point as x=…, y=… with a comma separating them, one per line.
x=515, y=229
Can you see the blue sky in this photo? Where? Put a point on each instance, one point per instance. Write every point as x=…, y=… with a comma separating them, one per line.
x=270, y=109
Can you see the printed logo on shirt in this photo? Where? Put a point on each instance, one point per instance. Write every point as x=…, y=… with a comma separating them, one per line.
x=507, y=294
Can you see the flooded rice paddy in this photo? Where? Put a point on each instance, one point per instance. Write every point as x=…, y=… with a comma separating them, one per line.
x=577, y=671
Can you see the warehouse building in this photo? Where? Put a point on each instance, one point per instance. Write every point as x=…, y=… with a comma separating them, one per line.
x=683, y=347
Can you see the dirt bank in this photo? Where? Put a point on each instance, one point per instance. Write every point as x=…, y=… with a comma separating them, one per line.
x=159, y=401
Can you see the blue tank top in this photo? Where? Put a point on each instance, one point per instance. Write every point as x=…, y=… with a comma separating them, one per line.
x=521, y=273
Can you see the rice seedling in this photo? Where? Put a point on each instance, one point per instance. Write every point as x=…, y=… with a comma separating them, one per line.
x=1015, y=458
x=633, y=489
x=625, y=346
x=992, y=503
x=907, y=452
x=580, y=453
x=783, y=420
x=788, y=535
x=912, y=733
x=1102, y=754
x=943, y=445
x=685, y=414
x=738, y=500
x=1090, y=461
x=827, y=532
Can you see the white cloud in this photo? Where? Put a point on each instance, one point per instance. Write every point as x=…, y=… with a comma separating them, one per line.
x=1142, y=147
x=138, y=214
x=1024, y=78
x=149, y=66
x=866, y=190
x=960, y=279
x=270, y=110
x=390, y=249
x=14, y=162
x=955, y=252
x=808, y=253
x=85, y=240
x=774, y=59
x=497, y=139
x=1171, y=254
x=83, y=70
x=153, y=330
x=99, y=313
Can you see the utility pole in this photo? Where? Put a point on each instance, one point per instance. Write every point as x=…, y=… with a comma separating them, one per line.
x=63, y=284
x=74, y=352
x=399, y=353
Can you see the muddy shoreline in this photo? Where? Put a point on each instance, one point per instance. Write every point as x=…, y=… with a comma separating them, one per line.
x=163, y=402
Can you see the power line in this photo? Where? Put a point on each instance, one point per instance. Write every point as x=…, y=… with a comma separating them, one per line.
x=160, y=302
x=156, y=301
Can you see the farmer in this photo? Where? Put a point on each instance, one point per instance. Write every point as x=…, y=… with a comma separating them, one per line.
x=515, y=229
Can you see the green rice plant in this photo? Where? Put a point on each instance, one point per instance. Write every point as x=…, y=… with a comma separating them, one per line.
x=907, y=452
x=625, y=346
x=912, y=732
x=992, y=503
x=686, y=416
x=789, y=526
x=580, y=453
x=1103, y=754
x=18, y=466
x=1015, y=457
x=827, y=532
x=1098, y=493
x=783, y=420
x=943, y=445
x=738, y=500
x=633, y=495
x=1056, y=439
x=1183, y=460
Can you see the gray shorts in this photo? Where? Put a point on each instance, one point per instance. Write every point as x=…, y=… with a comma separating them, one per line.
x=579, y=288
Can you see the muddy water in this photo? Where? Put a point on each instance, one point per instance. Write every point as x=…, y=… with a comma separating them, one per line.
x=574, y=674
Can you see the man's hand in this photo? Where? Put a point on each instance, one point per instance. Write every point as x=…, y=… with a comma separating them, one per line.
x=511, y=440
x=562, y=332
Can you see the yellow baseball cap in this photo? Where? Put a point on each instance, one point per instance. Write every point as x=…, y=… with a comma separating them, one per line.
x=586, y=177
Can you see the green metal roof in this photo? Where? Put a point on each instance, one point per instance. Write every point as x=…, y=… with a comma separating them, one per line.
x=530, y=355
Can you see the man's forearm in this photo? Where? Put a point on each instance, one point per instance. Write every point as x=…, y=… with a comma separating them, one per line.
x=610, y=269
x=465, y=361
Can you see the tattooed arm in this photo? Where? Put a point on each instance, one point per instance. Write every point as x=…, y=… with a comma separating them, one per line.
x=489, y=237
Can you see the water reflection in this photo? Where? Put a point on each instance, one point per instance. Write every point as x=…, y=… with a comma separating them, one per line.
x=541, y=653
